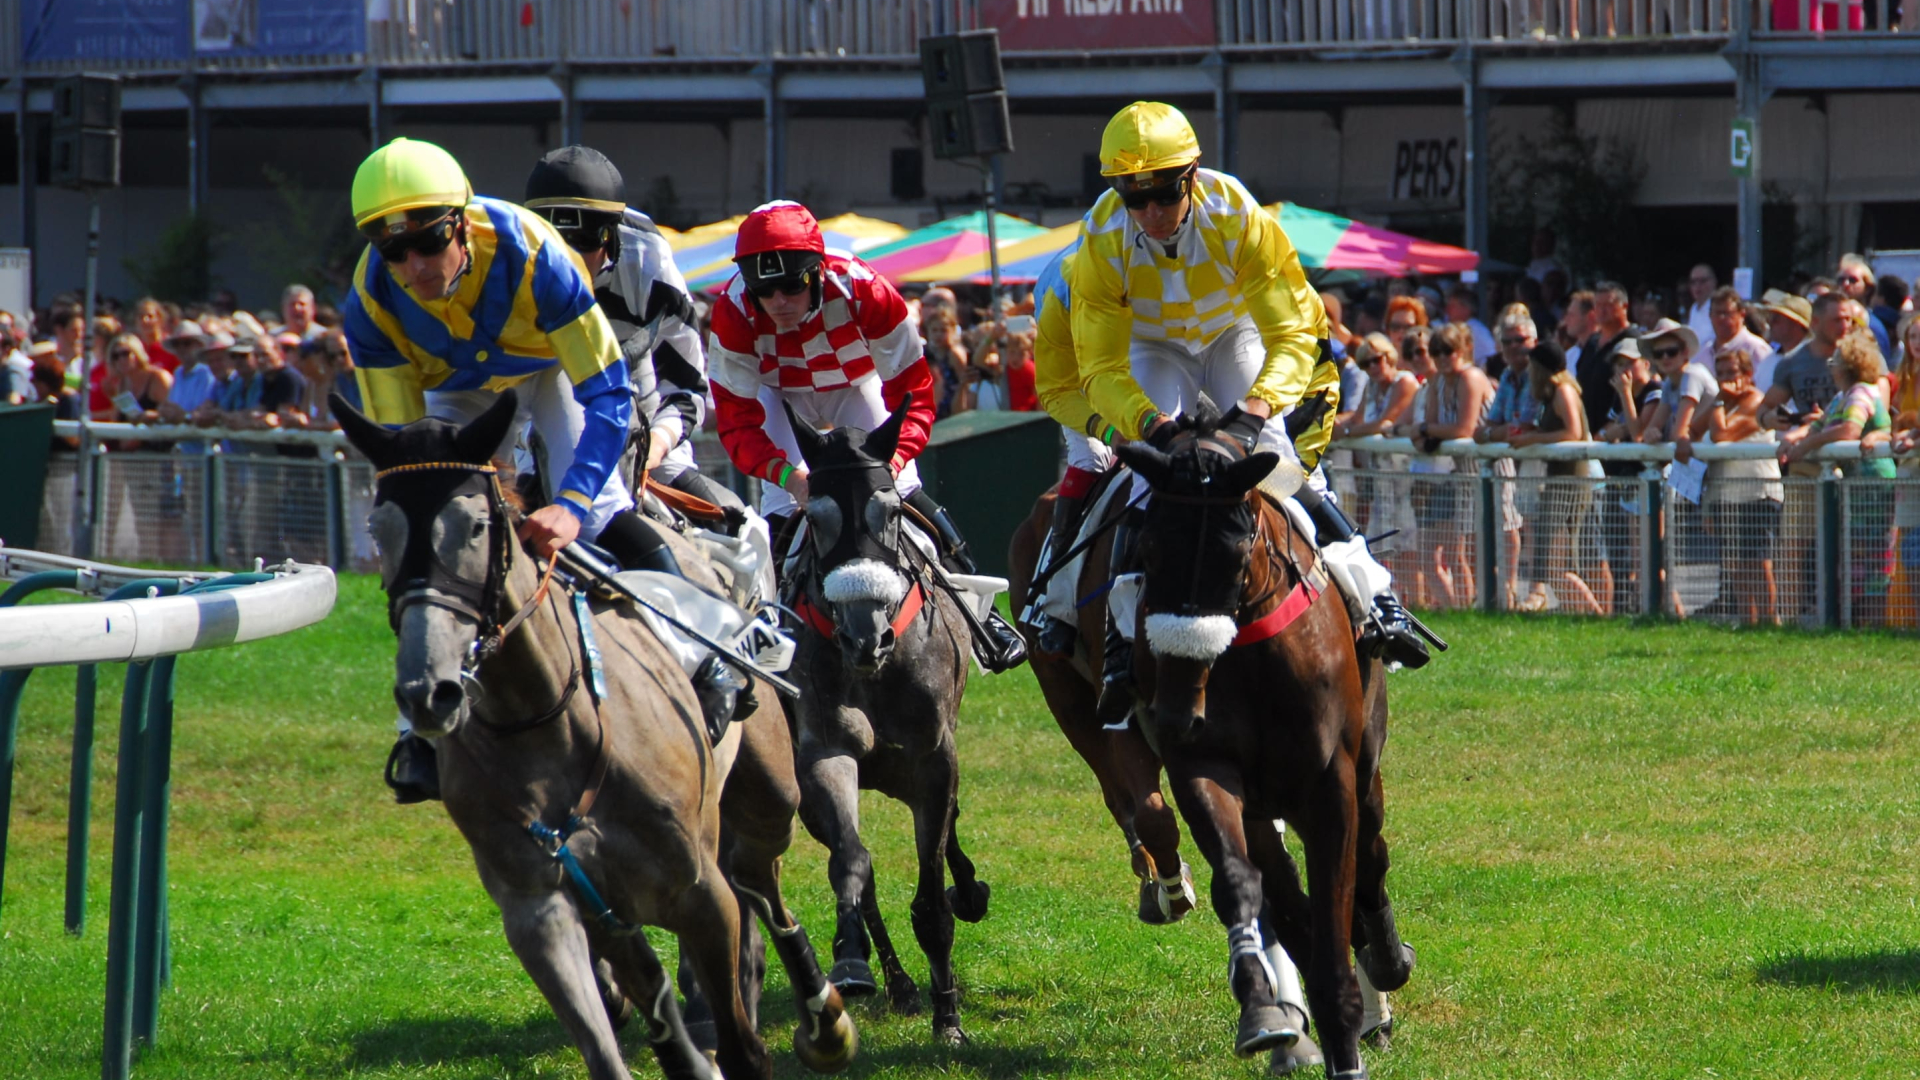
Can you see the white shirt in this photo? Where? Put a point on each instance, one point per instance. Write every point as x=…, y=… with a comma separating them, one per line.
x=19, y=373
x=1765, y=358
x=1700, y=319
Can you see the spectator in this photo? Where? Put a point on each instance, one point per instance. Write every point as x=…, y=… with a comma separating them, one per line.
x=1789, y=318
x=1541, y=247
x=1855, y=281
x=150, y=322
x=1337, y=331
x=69, y=334
x=947, y=356
x=1856, y=412
x=1575, y=325
x=1511, y=413
x=1889, y=300
x=1424, y=494
x=1701, y=283
x=1635, y=387
x=1457, y=398
x=1568, y=493
x=1553, y=292
x=1388, y=394
x=1005, y=366
x=1729, y=316
x=1685, y=385
x=50, y=383
x=217, y=355
x=194, y=383
x=1802, y=383
x=297, y=311
x=1463, y=308
x=327, y=370
x=1650, y=308
x=1595, y=370
x=1743, y=497
x=1403, y=314
x=1905, y=606
x=133, y=387
x=16, y=373
x=105, y=329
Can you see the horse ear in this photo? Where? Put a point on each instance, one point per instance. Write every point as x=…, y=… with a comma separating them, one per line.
x=812, y=445
x=373, y=440
x=1244, y=475
x=1206, y=415
x=1155, y=465
x=477, y=442
x=885, y=439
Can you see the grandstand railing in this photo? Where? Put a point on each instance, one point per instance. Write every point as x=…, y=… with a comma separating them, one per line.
x=452, y=33
x=220, y=498
x=1811, y=550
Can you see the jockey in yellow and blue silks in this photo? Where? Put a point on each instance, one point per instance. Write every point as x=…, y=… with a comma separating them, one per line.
x=458, y=298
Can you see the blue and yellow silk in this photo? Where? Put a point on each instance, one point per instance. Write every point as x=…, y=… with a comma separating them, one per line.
x=524, y=304
x=1056, y=370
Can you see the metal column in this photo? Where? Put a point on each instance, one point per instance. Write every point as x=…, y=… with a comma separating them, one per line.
x=774, y=112
x=26, y=132
x=1750, y=98
x=1226, y=114
x=1478, y=105
x=570, y=118
x=199, y=134
x=376, y=109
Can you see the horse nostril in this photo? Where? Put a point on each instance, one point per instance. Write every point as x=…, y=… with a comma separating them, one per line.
x=447, y=696
x=886, y=640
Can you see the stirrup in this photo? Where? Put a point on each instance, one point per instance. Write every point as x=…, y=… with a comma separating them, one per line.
x=413, y=771
x=1390, y=635
x=1055, y=636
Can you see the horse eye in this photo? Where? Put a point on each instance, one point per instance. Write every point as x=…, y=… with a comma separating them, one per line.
x=823, y=521
x=882, y=511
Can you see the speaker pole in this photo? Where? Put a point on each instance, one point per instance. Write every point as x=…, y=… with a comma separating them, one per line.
x=83, y=473
x=993, y=240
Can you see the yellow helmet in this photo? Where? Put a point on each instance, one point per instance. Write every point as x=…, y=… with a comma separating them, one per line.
x=1147, y=137
x=406, y=175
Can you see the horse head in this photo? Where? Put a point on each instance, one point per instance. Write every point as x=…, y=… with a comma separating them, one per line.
x=1195, y=547
x=853, y=522
x=446, y=549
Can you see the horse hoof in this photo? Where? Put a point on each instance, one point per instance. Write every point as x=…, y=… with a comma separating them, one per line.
x=1264, y=1027
x=830, y=1052
x=1151, y=900
x=1161, y=905
x=853, y=978
x=1288, y=1060
x=1348, y=1074
x=1379, y=1036
x=1185, y=900
x=948, y=1034
x=904, y=1000
x=1386, y=976
x=969, y=906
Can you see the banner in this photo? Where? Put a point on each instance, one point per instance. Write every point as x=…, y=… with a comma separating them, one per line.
x=278, y=27
x=1099, y=24
x=52, y=30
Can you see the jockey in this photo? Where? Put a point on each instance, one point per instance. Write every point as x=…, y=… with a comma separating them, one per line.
x=646, y=302
x=823, y=333
x=1056, y=379
x=458, y=298
x=1184, y=285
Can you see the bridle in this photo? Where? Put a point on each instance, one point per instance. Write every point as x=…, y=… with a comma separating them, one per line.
x=439, y=585
x=911, y=603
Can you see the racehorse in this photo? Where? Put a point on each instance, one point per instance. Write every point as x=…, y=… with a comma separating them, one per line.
x=882, y=660
x=1262, y=712
x=587, y=788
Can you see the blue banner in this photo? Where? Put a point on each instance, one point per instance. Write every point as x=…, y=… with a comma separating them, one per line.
x=104, y=30
x=279, y=27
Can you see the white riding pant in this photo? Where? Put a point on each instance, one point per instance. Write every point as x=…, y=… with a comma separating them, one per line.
x=546, y=405
x=1086, y=453
x=839, y=408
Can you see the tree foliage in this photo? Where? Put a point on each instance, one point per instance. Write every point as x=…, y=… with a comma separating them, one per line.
x=1580, y=186
x=179, y=265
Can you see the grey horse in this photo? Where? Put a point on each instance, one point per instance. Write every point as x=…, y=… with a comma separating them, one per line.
x=591, y=808
x=883, y=661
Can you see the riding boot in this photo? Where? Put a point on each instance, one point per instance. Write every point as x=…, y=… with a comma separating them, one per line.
x=1053, y=635
x=723, y=692
x=1004, y=648
x=413, y=772
x=1388, y=631
x=1117, y=691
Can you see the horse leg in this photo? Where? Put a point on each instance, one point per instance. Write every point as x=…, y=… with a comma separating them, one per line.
x=937, y=782
x=1386, y=963
x=1328, y=830
x=545, y=932
x=1211, y=802
x=903, y=996
x=1286, y=932
x=967, y=896
x=643, y=980
x=830, y=809
x=708, y=925
x=1166, y=885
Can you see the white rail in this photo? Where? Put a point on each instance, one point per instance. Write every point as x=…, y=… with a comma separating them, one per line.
x=1595, y=451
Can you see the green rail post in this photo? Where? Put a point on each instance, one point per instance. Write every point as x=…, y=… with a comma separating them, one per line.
x=12, y=685
x=80, y=796
x=1486, y=557
x=1653, y=554
x=124, y=914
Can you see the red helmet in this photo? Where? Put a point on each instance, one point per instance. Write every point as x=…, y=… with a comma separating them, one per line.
x=778, y=240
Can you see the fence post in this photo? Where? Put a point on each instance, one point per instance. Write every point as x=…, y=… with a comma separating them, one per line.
x=1653, y=556
x=80, y=795
x=337, y=550
x=215, y=504
x=123, y=916
x=1830, y=568
x=1486, y=555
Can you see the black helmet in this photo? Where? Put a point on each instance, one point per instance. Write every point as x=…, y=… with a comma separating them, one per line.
x=581, y=192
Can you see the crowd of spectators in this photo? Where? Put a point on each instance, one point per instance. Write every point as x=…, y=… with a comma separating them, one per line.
x=1802, y=367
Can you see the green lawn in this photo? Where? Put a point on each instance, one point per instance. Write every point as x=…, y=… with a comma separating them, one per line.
x=1633, y=851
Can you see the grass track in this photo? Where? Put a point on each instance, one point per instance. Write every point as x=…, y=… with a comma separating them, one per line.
x=1622, y=851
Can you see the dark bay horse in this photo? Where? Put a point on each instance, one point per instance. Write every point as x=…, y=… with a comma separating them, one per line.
x=588, y=790
x=1261, y=712
x=882, y=662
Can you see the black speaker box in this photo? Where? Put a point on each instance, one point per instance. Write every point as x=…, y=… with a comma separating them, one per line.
x=966, y=63
x=85, y=158
x=969, y=126
x=86, y=101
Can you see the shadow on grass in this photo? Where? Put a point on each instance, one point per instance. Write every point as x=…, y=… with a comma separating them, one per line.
x=1888, y=971
x=997, y=1062
x=432, y=1041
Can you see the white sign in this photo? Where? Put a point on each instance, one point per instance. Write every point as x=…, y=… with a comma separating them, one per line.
x=16, y=281
x=1743, y=281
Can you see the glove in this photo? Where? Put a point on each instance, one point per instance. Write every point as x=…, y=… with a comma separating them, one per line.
x=1242, y=426
x=1161, y=435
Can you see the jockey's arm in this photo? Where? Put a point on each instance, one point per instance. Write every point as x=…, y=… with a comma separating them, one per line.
x=561, y=292
x=1286, y=310
x=1056, y=373
x=734, y=368
x=913, y=390
x=1102, y=327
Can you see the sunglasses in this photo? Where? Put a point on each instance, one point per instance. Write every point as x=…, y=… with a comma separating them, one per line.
x=785, y=286
x=1163, y=196
x=1401, y=326
x=120, y=354
x=1513, y=342
x=429, y=240
x=1667, y=353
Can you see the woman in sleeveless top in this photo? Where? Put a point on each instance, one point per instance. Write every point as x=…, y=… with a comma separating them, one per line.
x=1389, y=393
x=1568, y=492
x=1743, y=496
x=1457, y=399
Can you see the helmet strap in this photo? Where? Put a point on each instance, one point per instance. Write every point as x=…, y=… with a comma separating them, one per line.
x=466, y=251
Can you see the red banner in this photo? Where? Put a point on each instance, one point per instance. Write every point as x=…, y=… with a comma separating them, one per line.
x=1099, y=24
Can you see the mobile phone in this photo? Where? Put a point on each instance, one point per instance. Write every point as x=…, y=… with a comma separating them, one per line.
x=1019, y=324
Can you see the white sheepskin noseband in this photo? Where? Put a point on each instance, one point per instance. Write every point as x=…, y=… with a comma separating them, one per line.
x=1192, y=637
x=865, y=579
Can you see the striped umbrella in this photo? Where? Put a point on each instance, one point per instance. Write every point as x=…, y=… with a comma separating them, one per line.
x=705, y=253
x=954, y=238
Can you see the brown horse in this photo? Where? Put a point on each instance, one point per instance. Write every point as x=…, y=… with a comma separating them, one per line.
x=583, y=779
x=1262, y=711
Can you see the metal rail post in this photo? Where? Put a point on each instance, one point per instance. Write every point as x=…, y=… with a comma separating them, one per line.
x=1486, y=558
x=80, y=796
x=1653, y=557
x=12, y=685
x=1833, y=575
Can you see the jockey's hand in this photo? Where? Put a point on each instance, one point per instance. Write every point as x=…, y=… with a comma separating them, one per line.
x=657, y=451
x=1243, y=426
x=796, y=485
x=549, y=529
x=1161, y=434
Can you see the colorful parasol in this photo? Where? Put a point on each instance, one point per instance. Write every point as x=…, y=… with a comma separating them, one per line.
x=705, y=253
x=945, y=241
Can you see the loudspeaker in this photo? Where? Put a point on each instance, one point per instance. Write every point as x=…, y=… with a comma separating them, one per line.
x=85, y=136
x=966, y=94
x=966, y=63
x=970, y=126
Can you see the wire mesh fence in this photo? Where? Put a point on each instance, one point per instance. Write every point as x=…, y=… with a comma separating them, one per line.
x=1427, y=530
